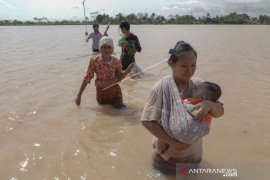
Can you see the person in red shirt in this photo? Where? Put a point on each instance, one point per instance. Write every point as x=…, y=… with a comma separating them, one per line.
x=108, y=71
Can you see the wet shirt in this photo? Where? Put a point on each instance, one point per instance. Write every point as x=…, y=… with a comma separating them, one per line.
x=106, y=72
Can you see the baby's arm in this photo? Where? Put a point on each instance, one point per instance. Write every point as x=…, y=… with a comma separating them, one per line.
x=206, y=118
x=200, y=110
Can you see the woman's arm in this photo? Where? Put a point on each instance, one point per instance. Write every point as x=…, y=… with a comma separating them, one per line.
x=129, y=68
x=154, y=128
x=89, y=75
x=200, y=110
x=88, y=37
x=122, y=74
x=78, y=98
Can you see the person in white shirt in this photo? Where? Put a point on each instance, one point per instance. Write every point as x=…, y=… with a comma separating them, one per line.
x=95, y=36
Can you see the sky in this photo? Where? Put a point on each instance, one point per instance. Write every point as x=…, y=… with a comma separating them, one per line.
x=73, y=9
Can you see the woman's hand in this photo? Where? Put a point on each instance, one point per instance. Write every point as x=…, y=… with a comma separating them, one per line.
x=78, y=100
x=199, y=111
x=129, y=68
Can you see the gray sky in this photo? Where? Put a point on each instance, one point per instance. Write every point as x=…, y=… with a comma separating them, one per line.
x=73, y=9
x=219, y=7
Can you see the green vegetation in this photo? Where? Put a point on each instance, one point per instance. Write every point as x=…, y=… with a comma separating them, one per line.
x=128, y=45
x=144, y=18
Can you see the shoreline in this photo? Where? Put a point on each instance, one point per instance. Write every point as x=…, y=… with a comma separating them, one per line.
x=132, y=24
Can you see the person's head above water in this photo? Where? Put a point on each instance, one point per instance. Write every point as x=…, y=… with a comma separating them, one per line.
x=207, y=91
x=125, y=27
x=106, y=45
x=95, y=27
x=183, y=60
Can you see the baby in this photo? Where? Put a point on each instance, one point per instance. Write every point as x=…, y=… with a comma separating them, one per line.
x=205, y=91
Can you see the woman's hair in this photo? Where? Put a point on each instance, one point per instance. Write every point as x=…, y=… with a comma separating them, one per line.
x=179, y=50
x=125, y=25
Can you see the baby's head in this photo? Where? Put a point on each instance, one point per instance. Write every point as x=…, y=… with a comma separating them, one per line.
x=207, y=91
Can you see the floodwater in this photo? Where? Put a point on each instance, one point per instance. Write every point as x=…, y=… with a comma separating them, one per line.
x=44, y=135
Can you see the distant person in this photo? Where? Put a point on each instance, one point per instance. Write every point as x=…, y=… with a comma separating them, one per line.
x=130, y=44
x=108, y=71
x=95, y=36
x=204, y=91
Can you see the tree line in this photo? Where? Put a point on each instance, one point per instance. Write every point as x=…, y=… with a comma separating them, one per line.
x=145, y=18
